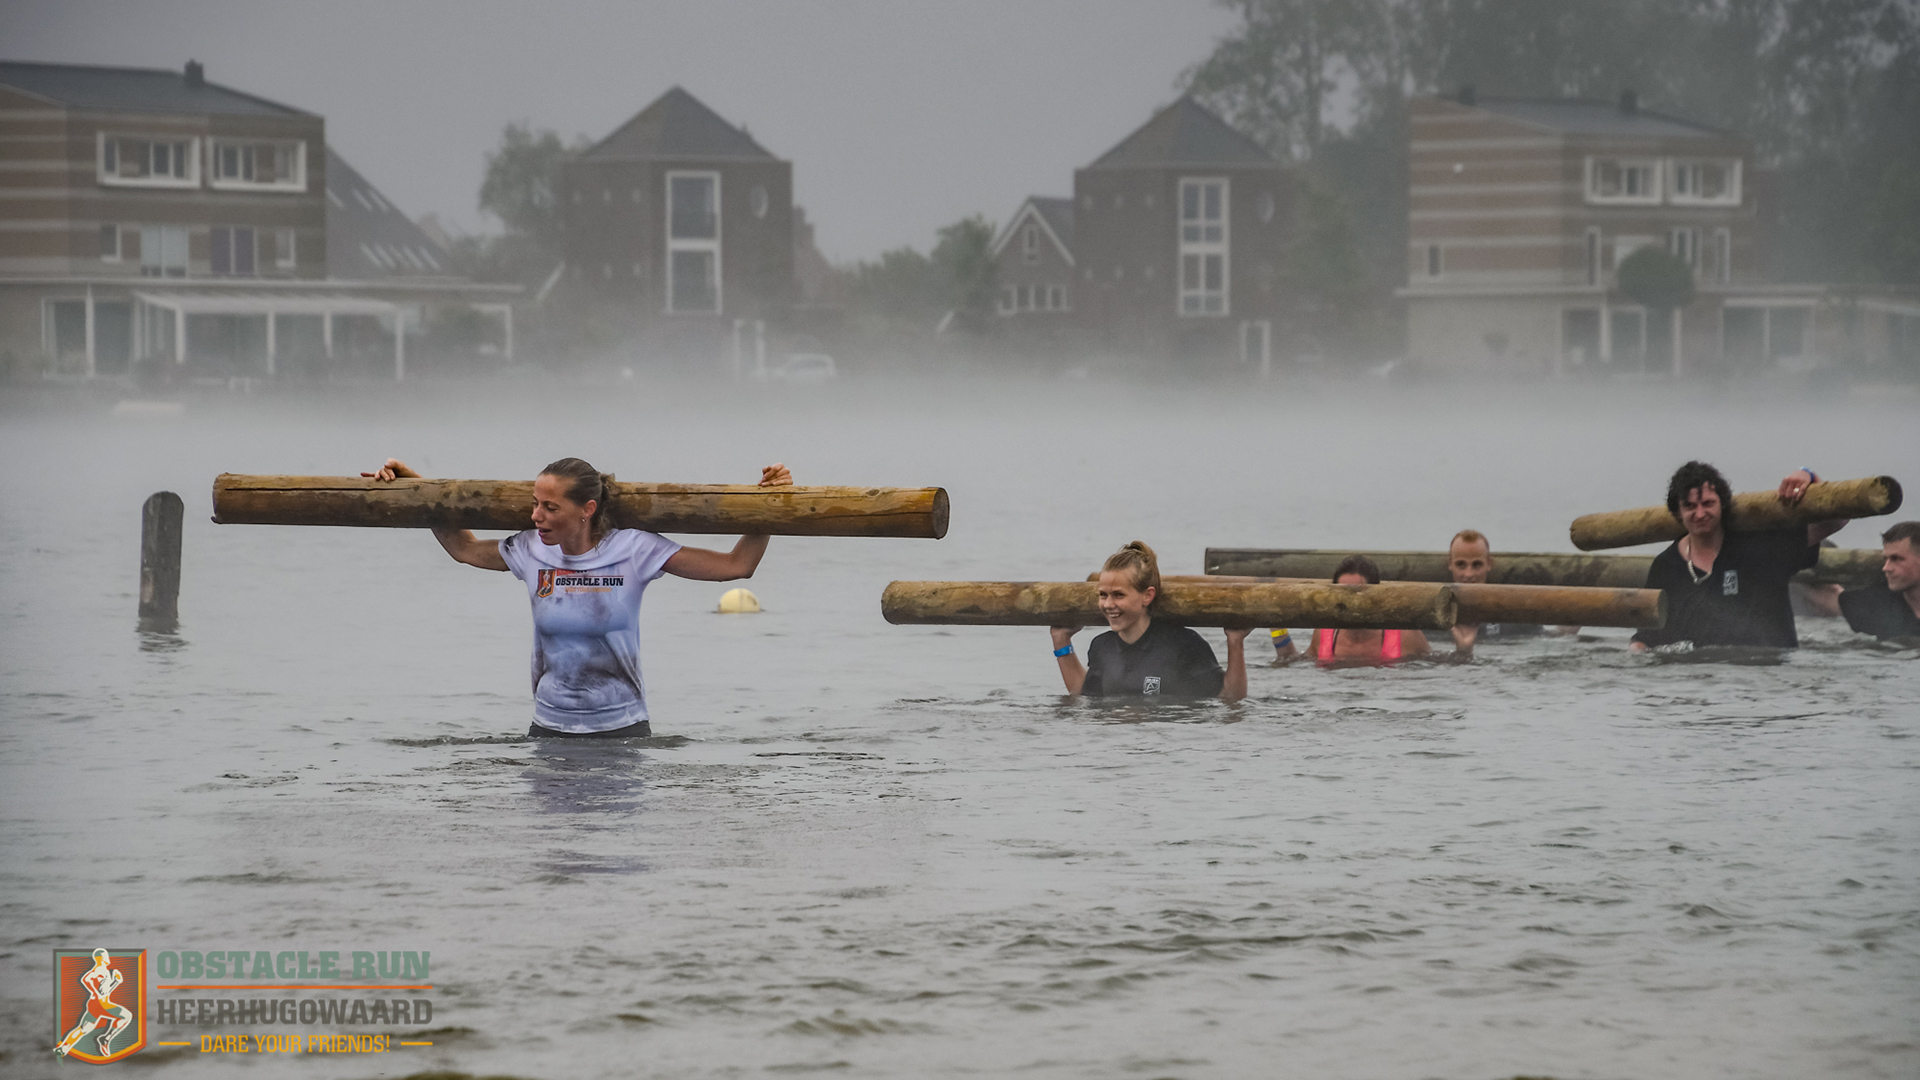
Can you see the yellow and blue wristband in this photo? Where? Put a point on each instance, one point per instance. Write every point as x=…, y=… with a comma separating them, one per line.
x=1282, y=638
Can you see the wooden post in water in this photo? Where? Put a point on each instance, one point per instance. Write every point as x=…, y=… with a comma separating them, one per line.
x=1399, y=606
x=1752, y=511
x=1852, y=567
x=420, y=503
x=160, y=527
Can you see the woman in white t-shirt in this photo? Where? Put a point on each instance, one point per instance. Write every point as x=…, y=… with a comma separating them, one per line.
x=585, y=580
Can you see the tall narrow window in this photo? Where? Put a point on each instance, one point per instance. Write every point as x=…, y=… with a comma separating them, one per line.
x=284, y=254
x=163, y=251
x=1593, y=256
x=1030, y=243
x=1203, y=247
x=109, y=243
x=232, y=251
x=693, y=242
x=1723, y=255
x=1433, y=260
x=1684, y=244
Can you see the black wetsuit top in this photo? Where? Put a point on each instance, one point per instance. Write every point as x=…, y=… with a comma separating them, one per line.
x=1167, y=661
x=1742, y=600
x=1879, y=611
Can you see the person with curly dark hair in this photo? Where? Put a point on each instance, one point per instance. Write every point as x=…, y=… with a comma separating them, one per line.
x=1724, y=586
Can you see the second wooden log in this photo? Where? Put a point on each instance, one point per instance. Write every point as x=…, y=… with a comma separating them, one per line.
x=1396, y=606
x=1553, y=605
x=416, y=503
x=1752, y=511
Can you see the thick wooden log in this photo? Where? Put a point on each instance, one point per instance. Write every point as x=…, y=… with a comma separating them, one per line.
x=411, y=503
x=1401, y=606
x=1752, y=511
x=1852, y=567
x=160, y=527
x=1556, y=605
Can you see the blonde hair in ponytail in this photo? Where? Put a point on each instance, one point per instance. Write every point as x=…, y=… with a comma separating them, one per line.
x=1141, y=565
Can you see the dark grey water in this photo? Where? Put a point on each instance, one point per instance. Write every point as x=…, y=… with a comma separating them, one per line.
x=882, y=851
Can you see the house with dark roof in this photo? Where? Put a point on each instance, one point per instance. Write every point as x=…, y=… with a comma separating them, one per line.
x=1033, y=262
x=1179, y=237
x=1521, y=212
x=680, y=220
x=155, y=215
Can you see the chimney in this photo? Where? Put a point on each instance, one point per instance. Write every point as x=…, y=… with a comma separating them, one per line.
x=1629, y=102
x=196, y=75
x=1467, y=95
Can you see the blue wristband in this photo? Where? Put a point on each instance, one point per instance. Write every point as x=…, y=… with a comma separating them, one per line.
x=1810, y=472
x=1064, y=650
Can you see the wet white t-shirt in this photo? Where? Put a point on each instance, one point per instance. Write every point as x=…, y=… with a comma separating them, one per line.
x=586, y=626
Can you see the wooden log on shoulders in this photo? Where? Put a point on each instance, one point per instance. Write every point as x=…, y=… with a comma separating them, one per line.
x=1398, y=606
x=415, y=503
x=1753, y=511
x=1553, y=605
x=1509, y=568
x=1852, y=567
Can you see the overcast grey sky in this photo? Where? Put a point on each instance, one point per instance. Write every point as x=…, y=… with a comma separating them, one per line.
x=899, y=115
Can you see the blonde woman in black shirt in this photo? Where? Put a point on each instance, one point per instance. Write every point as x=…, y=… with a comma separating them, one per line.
x=1141, y=656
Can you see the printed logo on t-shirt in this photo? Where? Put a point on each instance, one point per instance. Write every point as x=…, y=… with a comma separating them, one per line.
x=576, y=581
x=1151, y=685
x=1730, y=583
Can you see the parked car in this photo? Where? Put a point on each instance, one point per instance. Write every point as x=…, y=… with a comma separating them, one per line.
x=803, y=367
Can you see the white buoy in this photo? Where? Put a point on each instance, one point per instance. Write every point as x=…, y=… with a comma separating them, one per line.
x=739, y=602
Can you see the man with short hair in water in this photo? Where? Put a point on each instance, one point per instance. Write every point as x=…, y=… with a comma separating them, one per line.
x=1726, y=587
x=1470, y=562
x=1340, y=647
x=1142, y=656
x=101, y=980
x=1890, y=612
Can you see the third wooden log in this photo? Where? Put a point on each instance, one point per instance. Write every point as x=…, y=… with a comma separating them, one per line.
x=1752, y=511
x=1397, y=606
x=1852, y=567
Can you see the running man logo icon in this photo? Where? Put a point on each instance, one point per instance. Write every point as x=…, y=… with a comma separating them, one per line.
x=545, y=584
x=98, y=1001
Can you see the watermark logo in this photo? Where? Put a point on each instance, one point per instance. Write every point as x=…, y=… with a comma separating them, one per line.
x=99, y=998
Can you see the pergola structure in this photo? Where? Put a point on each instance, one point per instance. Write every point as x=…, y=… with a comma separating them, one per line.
x=272, y=305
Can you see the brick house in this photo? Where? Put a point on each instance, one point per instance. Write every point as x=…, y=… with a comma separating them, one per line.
x=1179, y=239
x=1033, y=262
x=1521, y=211
x=679, y=222
x=153, y=214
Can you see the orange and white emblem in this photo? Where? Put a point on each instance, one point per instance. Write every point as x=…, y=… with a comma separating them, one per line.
x=98, y=1000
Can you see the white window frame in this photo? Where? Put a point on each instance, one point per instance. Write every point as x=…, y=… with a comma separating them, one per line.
x=1655, y=174
x=1203, y=249
x=190, y=158
x=153, y=250
x=286, y=249
x=675, y=244
x=1731, y=197
x=298, y=182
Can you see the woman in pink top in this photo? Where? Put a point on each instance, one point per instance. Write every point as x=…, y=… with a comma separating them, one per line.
x=1331, y=647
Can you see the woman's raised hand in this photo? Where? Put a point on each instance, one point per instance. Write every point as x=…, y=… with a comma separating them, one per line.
x=774, y=475
x=395, y=468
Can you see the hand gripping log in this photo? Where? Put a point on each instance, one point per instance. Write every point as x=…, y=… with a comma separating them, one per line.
x=1851, y=567
x=1398, y=606
x=1556, y=605
x=1752, y=511
x=412, y=503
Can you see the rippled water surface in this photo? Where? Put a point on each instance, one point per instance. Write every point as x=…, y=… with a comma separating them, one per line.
x=886, y=851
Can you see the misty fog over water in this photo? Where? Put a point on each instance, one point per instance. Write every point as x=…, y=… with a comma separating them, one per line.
x=883, y=851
